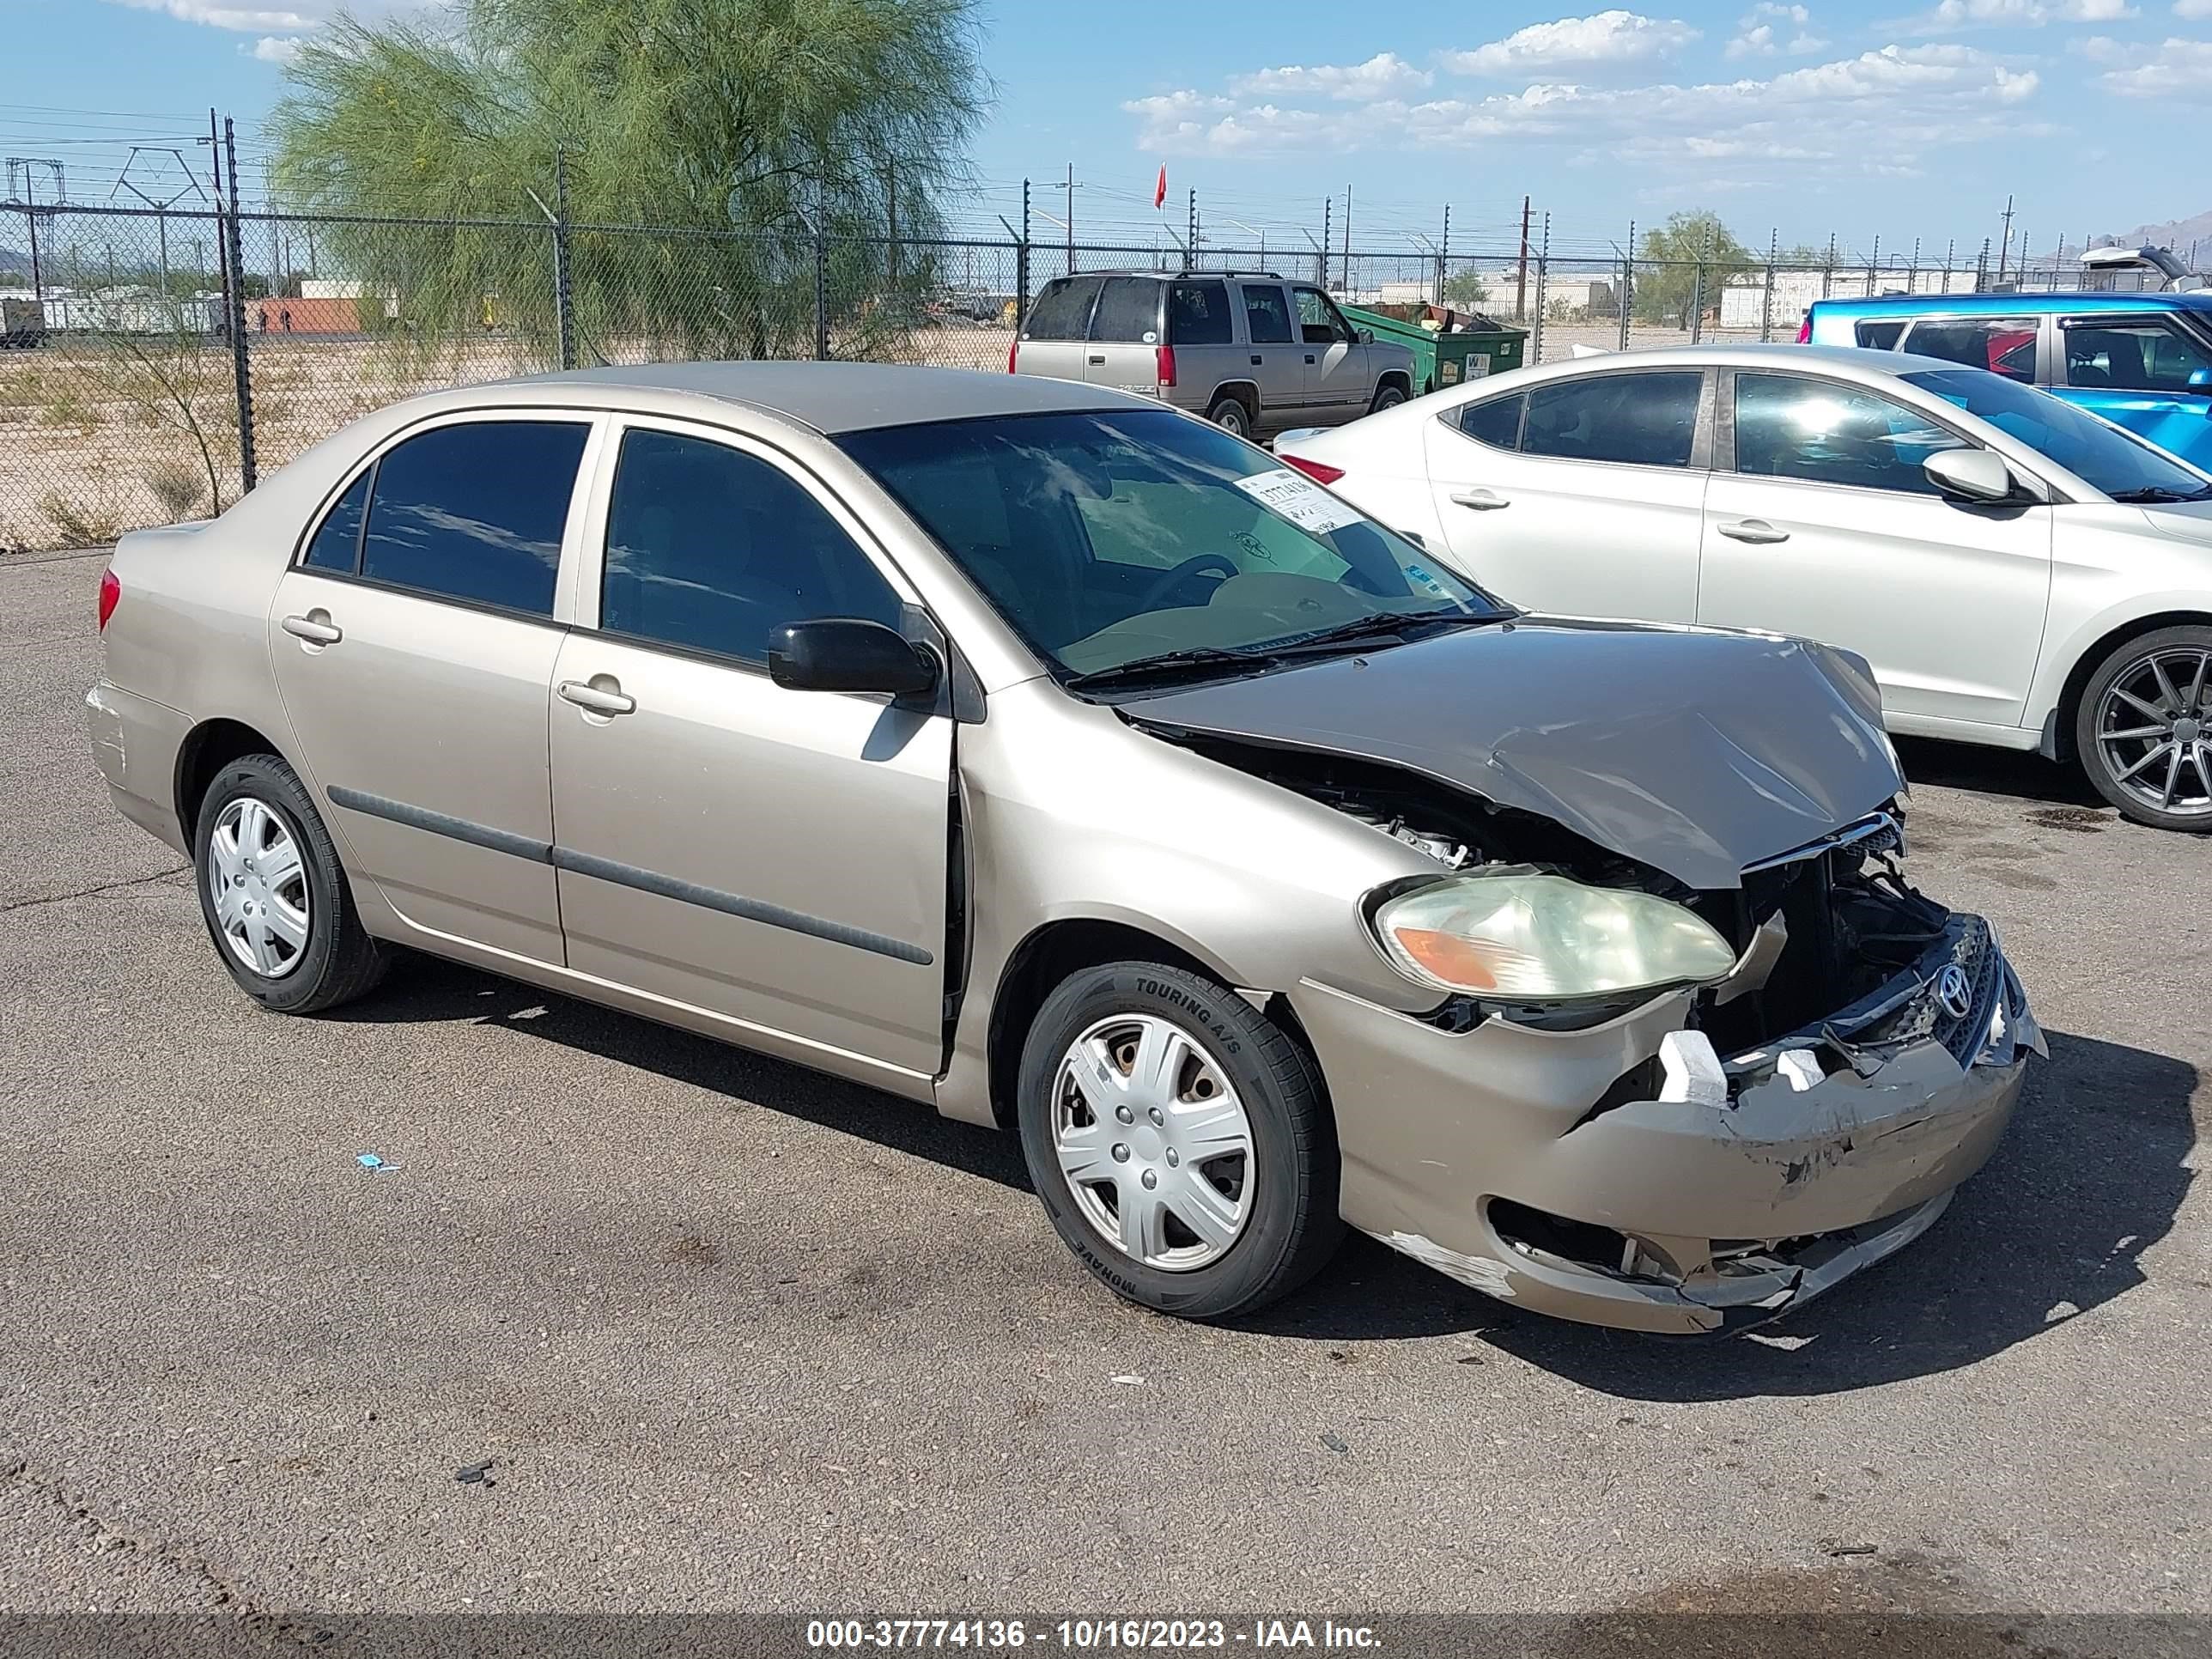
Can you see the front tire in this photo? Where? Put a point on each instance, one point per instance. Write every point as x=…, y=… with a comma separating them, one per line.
x=2143, y=732
x=1230, y=415
x=1178, y=1140
x=1388, y=397
x=274, y=895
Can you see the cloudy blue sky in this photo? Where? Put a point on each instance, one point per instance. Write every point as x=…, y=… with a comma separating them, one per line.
x=1905, y=120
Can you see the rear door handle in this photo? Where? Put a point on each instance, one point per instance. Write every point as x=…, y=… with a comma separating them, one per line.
x=316, y=627
x=1482, y=501
x=607, y=699
x=1256, y=358
x=1309, y=357
x=1100, y=358
x=1757, y=531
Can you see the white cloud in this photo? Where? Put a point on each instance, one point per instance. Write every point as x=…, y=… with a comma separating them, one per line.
x=2169, y=69
x=1952, y=15
x=270, y=20
x=1768, y=28
x=1882, y=113
x=1386, y=75
x=2192, y=8
x=275, y=48
x=1606, y=37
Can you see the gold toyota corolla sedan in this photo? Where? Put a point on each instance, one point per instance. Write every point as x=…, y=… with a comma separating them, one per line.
x=1061, y=762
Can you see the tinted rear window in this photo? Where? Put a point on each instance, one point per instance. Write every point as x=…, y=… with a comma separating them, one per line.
x=1062, y=310
x=1198, y=313
x=1496, y=422
x=1882, y=337
x=1266, y=317
x=1128, y=312
x=476, y=511
x=1643, y=420
x=337, y=538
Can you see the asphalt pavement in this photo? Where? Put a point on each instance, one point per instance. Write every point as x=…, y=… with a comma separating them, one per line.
x=730, y=1335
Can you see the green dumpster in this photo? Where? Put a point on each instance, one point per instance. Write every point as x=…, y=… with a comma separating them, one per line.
x=1448, y=346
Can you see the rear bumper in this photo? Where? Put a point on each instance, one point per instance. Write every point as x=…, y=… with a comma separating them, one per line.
x=1490, y=1156
x=135, y=742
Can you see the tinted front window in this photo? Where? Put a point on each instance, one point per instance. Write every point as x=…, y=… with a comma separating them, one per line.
x=337, y=538
x=1879, y=337
x=1198, y=313
x=2131, y=354
x=1266, y=316
x=475, y=512
x=2101, y=456
x=711, y=548
x=1128, y=311
x=2003, y=345
x=1644, y=420
x=1063, y=310
x=1788, y=428
x=1107, y=538
x=1496, y=422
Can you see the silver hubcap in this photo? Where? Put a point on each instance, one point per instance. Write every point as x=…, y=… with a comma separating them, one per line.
x=2155, y=730
x=260, y=888
x=1154, y=1143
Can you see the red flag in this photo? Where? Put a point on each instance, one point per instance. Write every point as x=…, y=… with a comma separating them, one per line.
x=1160, y=190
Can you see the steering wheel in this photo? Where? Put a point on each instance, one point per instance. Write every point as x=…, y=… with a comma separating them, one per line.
x=1174, y=578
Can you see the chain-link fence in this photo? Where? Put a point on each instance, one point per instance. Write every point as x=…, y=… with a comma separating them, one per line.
x=163, y=361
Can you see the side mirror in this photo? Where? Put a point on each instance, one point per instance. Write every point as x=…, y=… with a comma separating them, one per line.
x=844, y=654
x=1969, y=475
x=1367, y=337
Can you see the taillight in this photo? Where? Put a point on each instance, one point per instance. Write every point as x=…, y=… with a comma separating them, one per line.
x=110, y=590
x=1013, y=356
x=1319, y=471
x=1805, y=331
x=1166, y=354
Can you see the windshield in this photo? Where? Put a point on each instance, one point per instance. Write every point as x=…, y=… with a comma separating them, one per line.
x=2101, y=456
x=1122, y=536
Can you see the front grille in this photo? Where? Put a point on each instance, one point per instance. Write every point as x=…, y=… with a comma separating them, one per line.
x=1973, y=950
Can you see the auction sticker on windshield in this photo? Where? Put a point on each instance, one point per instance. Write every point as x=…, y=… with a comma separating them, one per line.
x=1304, y=504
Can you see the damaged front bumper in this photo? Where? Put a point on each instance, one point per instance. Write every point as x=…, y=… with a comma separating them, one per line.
x=1514, y=1159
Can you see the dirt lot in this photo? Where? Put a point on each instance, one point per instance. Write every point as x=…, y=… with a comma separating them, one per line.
x=730, y=1335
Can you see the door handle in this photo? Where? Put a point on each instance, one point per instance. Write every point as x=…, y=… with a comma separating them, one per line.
x=1100, y=358
x=1482, y=501
x=1309, y=357
x=1756, y=530
x=1255, y=360
x=315, y=628
x=607, y=699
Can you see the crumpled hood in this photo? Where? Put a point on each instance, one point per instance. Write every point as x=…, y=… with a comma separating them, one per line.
x=1697, y=751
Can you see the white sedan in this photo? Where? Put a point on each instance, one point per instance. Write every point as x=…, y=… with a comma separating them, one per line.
x=2017, y=572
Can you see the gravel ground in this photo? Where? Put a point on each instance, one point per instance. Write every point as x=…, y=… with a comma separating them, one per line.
x=734, y=1336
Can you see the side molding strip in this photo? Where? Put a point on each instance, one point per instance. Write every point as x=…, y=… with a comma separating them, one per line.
x=627, y=875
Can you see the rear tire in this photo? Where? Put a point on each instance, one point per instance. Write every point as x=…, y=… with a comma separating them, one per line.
x=1388, y=397
x=1230, y=415
x=1264, y=1216
x=275, y=896
x=2143, y=731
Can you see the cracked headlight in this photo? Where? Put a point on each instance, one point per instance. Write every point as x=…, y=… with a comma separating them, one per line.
x=1544, y=938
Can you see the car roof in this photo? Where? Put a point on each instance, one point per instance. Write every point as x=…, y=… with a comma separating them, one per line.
x=2050, y=300
x=835, y=398
x=1863, y=360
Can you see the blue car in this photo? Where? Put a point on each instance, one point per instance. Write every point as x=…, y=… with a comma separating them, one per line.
x=2142, y=360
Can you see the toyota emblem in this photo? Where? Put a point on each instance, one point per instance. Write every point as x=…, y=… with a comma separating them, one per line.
x=1954, y=992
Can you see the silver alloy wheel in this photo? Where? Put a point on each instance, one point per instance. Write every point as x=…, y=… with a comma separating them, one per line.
x=2155, y=730
x=1154, y=1142
x=259, y=884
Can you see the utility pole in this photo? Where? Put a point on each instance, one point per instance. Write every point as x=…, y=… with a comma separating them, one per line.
x=1071, y=218
x=1521, y=283
x=2006, y=248
x=1190, y=240
x=1320, y=256
x=1443, y=255
x=1347, y=241
x=24, y=167
x=890, y=213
